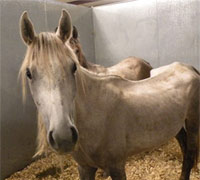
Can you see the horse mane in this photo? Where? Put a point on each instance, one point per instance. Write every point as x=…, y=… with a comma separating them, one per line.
x=195, y=70
x=75, y=43
x=45, y=48
x=42, y=144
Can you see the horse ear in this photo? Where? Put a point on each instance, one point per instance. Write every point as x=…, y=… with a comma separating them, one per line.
x=26, y=29
x=65, y=26
x=75, y=33
x=56, y=29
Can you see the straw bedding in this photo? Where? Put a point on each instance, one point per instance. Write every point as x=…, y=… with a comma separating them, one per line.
x=163, y=163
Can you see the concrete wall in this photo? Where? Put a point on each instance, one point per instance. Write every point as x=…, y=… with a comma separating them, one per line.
x=159, y=31
x=18, y=122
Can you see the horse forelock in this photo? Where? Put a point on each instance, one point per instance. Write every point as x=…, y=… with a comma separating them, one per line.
x=45, y=49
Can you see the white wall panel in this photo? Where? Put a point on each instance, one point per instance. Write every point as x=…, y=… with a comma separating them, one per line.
x=160, y=32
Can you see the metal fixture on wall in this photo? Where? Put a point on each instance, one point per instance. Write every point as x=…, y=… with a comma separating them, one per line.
x=93, y=3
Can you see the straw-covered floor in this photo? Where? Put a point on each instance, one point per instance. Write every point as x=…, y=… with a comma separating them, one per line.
x=163, y=163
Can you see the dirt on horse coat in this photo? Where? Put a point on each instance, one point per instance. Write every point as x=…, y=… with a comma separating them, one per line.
x=102, y=119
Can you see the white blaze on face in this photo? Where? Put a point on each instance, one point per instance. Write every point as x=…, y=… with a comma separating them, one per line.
x=54, y=100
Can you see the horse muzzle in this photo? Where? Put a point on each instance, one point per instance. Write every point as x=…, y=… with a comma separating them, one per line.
x=63, y=143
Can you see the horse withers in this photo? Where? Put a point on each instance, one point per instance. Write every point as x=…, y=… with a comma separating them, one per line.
x=106, y=117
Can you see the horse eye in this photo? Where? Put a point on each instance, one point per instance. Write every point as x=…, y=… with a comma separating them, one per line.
x=74, y=68
x=28, y=73
x=77, y=51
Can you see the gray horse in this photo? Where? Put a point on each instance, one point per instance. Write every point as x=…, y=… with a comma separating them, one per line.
x=103, y=119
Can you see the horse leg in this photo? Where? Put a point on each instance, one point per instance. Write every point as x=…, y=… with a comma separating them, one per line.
x=192, y=150
x=181, y=137
x=117, y=173
x=86, y=172
x=189, y=157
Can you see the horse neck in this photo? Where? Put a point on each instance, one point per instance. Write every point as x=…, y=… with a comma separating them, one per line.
x=93, y=86
x=83, y=62
x=85, y=107
x=87, y=64
x=91, y=66
x=85, y=82
x=81, y=57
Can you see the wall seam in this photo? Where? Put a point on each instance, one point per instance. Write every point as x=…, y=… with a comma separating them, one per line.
x=93, y=33
x=198, y=30
x=45, y=14
x=158, y=37
x=0, y=83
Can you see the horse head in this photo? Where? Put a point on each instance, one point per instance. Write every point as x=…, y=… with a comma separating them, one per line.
x=49, y=66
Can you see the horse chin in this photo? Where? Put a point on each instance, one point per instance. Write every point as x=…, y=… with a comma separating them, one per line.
x=65, y=148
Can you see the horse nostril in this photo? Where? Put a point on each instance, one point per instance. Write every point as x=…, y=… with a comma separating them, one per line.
x=74, y=134
x=51, y=139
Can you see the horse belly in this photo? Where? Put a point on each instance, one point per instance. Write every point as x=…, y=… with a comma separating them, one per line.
x=154, y=129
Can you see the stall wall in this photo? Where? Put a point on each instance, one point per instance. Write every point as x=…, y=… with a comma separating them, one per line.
x=158, y=31
x=198, y=14
x=18, y=121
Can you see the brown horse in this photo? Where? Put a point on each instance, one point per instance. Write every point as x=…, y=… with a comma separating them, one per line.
x=131, y=68
x=107, y=118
